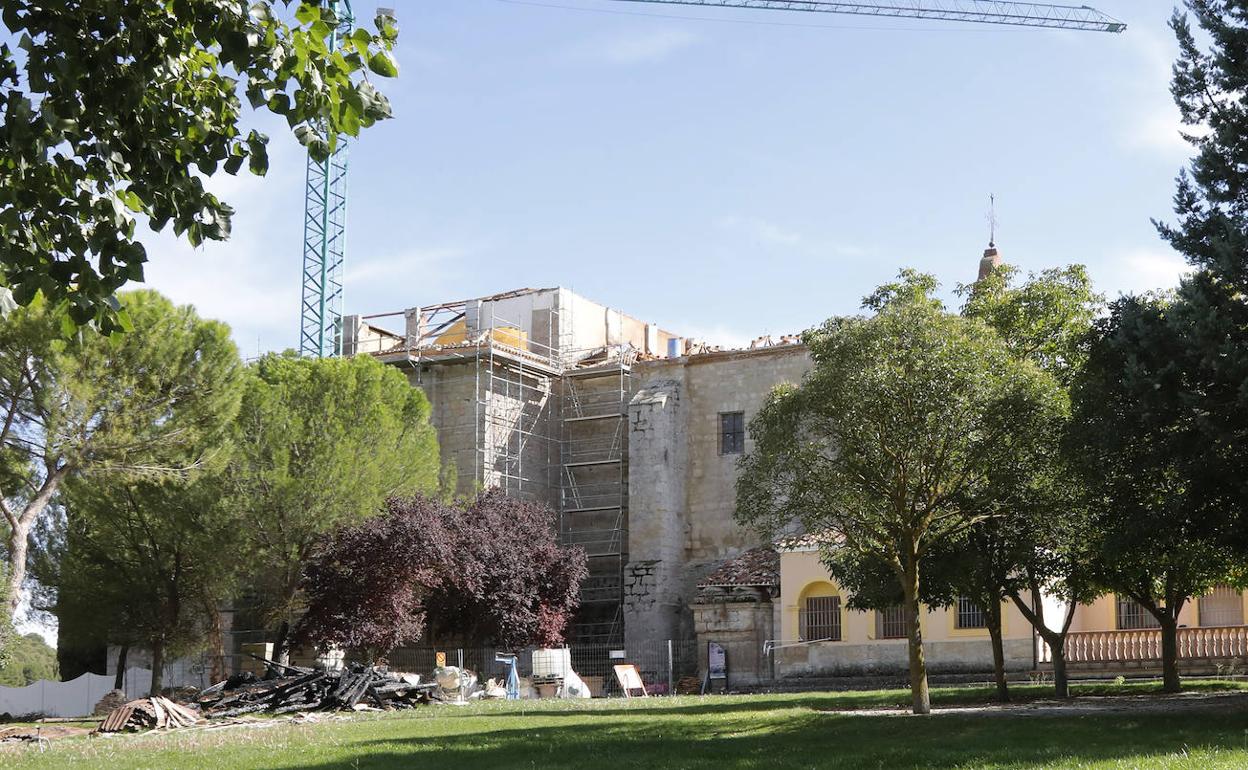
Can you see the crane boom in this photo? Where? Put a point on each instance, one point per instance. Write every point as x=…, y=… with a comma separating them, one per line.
x=979, y=11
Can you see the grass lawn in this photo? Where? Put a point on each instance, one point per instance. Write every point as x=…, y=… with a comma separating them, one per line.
x=809, y=730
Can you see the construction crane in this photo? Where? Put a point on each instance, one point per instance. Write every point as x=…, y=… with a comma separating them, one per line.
x=1079, y=17
x=325, y=207
x=325, y=231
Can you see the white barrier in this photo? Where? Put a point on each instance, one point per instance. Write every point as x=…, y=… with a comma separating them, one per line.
x=56, y=699
x=77, y=698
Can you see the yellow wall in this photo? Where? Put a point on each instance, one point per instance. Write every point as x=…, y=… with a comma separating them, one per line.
x=1102, y=614
x=802, y=575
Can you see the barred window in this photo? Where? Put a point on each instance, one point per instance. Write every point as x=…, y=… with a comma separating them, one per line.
x=732, y=433
x=1132, y=615
x=970, y=615
x=820, y=619
x=1223, y=606
x=890, y=623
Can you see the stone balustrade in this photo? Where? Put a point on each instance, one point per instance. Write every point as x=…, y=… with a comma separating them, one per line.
x=1221, y=642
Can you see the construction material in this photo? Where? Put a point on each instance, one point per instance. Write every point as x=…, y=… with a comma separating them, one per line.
x=149, y=714
x=310, y=690
x=630, y=681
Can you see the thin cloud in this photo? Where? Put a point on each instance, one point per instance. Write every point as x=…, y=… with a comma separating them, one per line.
x=1140, y=270
x=647, y=47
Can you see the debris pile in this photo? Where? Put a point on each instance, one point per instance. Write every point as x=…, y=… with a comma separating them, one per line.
x=309, y=690
x=149, y=714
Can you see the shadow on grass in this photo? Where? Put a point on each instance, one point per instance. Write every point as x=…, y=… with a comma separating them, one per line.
x=634, y=739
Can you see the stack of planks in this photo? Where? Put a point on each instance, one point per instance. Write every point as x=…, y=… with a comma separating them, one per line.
x=149, y=714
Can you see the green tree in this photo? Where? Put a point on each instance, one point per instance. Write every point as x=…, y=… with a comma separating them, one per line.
x=113, y=109
x=30, y=660
x=1158, y=538
x=1039, y=545
x=101, y=406
x=1210, y=87
x=156, y=551
x=891, y=435
x=322, y=444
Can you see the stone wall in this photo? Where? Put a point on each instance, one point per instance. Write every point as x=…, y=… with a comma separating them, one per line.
x=682, y=490
x=741, y=627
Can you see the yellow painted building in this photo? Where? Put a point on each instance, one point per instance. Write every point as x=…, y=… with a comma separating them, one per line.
x=817, y=635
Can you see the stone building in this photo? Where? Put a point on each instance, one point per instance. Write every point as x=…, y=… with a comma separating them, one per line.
x=631, y=432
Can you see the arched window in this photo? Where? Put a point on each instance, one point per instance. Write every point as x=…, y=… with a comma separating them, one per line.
x=819, y=616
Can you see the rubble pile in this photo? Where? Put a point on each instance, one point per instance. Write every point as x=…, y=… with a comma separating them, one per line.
x=149, y=714
x=309, y=690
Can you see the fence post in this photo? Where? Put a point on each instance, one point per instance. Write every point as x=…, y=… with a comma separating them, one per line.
x=671, y=690
x=461, y=657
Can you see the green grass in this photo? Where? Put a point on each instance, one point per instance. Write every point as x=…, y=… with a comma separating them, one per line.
x=808, y=730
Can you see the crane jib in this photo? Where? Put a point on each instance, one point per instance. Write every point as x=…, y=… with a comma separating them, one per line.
x=975, y=11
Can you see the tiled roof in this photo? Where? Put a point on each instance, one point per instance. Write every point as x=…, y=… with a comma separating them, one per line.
x=808, y=542
x=757, y=567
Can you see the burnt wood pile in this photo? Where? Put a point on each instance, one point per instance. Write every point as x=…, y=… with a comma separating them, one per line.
x=310, y=690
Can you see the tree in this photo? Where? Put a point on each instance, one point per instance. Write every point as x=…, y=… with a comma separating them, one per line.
x=155, y=551
x=366, y=583
x=95, y=405
x=113, y=110
x=321, y=444
x=1039, y=545
x=489, y=571
x=1158, y=539
x=1210, y=87
x=889, y=438
x=30, y=660
x=510, y=582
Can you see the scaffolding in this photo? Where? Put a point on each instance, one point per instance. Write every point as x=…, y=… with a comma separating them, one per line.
x=547, y=422
x=593, y=506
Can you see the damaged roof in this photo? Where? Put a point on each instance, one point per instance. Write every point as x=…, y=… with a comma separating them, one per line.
x=757, y=567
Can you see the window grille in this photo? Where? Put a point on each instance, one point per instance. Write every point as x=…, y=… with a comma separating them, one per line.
x=820, y=619
x=1132, y=615
x=970, y=615
x=1223, y=606
x=732, y=433
x=890, y=623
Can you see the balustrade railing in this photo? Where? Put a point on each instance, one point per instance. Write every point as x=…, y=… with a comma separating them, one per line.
x=1220, y=642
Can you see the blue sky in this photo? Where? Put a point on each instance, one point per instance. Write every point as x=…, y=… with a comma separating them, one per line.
x=728, y=174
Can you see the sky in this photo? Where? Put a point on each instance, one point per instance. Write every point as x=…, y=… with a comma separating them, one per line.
x=724, y=173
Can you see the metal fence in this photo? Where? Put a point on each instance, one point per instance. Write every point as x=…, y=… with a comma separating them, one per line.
x=662, y=663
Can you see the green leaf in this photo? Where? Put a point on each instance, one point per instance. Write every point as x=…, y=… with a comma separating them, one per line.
x=308, y=13
x=383, y=64
x=131, y=200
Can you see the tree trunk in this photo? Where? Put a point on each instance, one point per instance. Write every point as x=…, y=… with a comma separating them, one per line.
x=217, y=640
x=918, y=665
x=18, y=541
x=158, y=667
x=19, y=536
x=993, y=609
x=1169, y=653
x=1057, y=648
x=119, y=680
x=281, y=646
